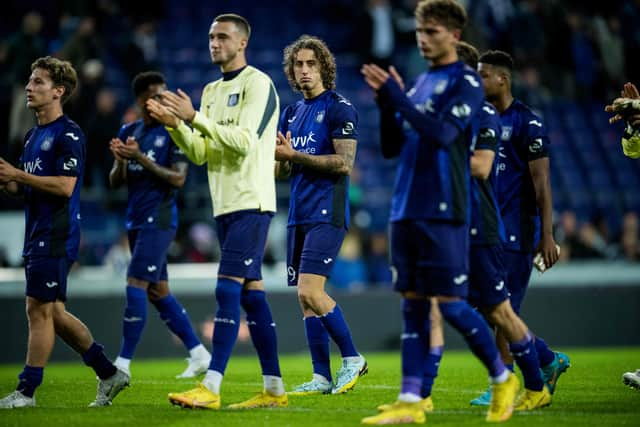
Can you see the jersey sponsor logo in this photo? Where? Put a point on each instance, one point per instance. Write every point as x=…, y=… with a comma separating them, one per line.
x=489, y=110
x=51, y=284
x=472, y=80
x=535, y=123
x=292, y=119
x=506, y=133
x=302, y=141
x=536, y=145
x=348, y=128
x=151, y=268
x=327, y=260
x=72, y=136
x=233, y=100
x=47, y=144
x=159, y=141
x=70, y=163
x=440, y=87
x=248, y=262
x=33, y=166
x=459, y=280
x=320, y=116
x=461, y=111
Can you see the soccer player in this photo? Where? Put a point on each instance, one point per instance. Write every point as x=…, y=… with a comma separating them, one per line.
x=234, y=133
x=627, y=108
x=487, y=290
x=316, y=147
x=524, y=196
x=429, y=129
x=50, y=178
x=153, y=169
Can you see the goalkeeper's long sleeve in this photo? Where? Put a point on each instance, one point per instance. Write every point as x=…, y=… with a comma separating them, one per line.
x=631, y=142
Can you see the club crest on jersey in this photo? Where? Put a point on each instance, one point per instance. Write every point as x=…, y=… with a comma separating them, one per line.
x=440, y=87
x=506, y=133
x=159, y=142
x=47, y=144
x=233, y=99
x=320, y=116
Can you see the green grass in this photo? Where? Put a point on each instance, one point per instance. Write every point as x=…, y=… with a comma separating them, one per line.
x=589, y=394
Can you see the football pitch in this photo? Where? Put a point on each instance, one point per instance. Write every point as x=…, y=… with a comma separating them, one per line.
x=589, y=394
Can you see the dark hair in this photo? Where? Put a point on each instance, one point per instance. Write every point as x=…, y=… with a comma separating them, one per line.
x=446, y=12
x=323, y=55
x=497, y=58
x=61, y=72
x=241, y=23
x=468, y=54
x=142, y=81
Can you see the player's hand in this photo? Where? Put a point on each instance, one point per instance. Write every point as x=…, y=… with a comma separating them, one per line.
x=630, y=91
x=284, y=151
x=179, y=104
x=374, y=76
x=396, y=76
x=547, y=247
x=8, y=173
x=634, y=121
x=130, y=149
x=162, y=113
x=114, y=145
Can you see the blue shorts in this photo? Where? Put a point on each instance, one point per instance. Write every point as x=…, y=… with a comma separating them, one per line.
x=243, y=237
x=519, y=266
x=487, y=276
x=47, y=278
x=430, y=258
x=312, y=248
x=149, y=248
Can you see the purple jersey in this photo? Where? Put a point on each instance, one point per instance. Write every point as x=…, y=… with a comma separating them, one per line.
x=319, y=197
x=52, y=222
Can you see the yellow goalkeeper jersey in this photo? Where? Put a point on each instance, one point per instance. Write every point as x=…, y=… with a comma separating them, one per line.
x=234, y=133
x=631, y=142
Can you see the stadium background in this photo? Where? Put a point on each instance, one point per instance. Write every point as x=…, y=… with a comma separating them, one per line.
x=571, y=59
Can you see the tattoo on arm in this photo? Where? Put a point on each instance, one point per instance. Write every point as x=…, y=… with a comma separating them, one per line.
x=340, y=163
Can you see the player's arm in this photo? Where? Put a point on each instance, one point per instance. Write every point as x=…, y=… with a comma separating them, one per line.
x=118, y=173
x=12, y=188
x=391, y=137
x=482, y=162
x=340, y=163
x=192, y=142
x=56, y=185
x=174, y=176
x=282, y=169
x=539, y=170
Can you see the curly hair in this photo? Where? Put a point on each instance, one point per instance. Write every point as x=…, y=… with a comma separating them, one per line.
x=446, y=12
x=323, y=55
x=142, y=81
x=61, y=72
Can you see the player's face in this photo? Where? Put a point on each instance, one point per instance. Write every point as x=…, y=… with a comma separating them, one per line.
x=41, y=90
x=492, y=80
x=435, y=41
x=154, y=91
x=225, y=42
x=306, y=71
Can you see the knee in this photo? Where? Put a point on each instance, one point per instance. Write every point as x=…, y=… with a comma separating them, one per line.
x=39, y=311
x=501, y=315
x=228, y=296
x=435, y=317
x=250, y=299
x=154, y=295
x=309, y=298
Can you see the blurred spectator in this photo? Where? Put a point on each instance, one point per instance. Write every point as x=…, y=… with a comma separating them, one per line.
x=103, y=125
x=141, y=52
x=83, y=44
x=119, y=255
x=629, y=237
x=379, y=271
x=203, y=243
x=585, y=58
x=376, y=28
x=611, y=47
x=23, y=48
x=349, y=272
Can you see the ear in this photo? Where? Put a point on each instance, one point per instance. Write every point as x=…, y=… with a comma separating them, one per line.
x=457, y=33
x=58, y=91
x=243, y=43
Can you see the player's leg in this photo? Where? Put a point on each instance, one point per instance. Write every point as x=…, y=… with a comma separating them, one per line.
x=177, y=320
x=404, y=244
x=321, y=246
x=315, y=332
x=432, y=361
x=519, y=267
x=254, y=226
x=142, y=270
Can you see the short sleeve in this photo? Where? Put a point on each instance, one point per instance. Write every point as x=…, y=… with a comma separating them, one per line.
x=535, y=138
x=488, y=129
x=70, y=152
x=464, y=101
x=343, y=120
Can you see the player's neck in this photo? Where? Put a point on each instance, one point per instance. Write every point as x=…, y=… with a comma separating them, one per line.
x=235, y=64
x=313, y=93
x=48, y=114
x=503, y=102
x=445, y=59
